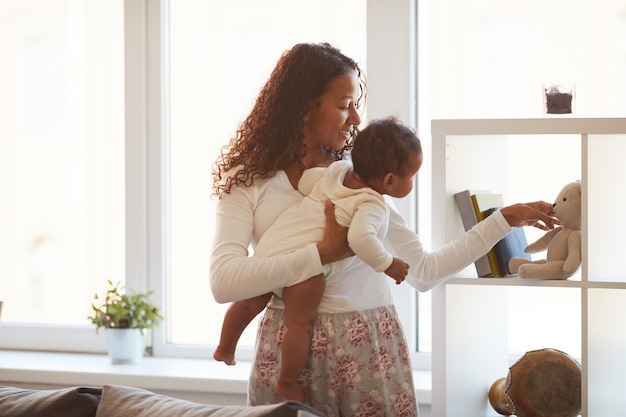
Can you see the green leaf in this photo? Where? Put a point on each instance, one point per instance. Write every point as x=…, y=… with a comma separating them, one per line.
x=122, y=310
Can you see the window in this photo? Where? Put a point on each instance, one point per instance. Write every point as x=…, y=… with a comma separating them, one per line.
x=134, y=99
x=505, y=52
x=209, y=93
x=489, y=60
x=220, y=55
x=61, y=158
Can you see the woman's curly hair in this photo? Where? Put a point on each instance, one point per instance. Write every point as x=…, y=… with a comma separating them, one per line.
x=270, y=138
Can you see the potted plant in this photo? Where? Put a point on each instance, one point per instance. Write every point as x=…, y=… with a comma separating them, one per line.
x=125, y=317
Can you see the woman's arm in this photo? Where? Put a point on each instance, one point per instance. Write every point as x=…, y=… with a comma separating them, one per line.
x=234, y=275
x=427, y=269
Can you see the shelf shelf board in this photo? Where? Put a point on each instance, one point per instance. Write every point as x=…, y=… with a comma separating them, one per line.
x=521, y=282
x=548, y=125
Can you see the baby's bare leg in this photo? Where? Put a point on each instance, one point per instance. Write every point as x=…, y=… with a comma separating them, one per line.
x=301, y=302
x=237, y=317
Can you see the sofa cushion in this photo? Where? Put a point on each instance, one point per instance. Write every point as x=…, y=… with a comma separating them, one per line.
x=67, y=402
x=120, y=401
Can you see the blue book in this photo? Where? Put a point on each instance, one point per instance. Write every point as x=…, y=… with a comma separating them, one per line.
x=511, y=246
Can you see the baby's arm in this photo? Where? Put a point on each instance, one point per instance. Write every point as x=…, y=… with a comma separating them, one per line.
x=398, y=270
x=367, y=221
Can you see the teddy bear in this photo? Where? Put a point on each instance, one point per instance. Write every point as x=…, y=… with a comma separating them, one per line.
x=563, y=243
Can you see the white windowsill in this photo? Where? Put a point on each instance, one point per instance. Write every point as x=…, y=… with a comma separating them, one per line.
x=152, y=373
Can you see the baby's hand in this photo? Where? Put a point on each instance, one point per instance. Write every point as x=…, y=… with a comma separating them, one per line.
x=398, y=270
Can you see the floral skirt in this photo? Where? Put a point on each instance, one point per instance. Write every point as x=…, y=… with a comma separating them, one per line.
x=358, y=366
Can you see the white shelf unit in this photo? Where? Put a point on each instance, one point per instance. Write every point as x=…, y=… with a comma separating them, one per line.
x=470, y=324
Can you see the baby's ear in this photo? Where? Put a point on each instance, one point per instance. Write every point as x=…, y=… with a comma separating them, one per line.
x=389, y=181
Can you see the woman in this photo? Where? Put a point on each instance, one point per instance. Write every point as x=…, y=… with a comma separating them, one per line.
x=306, y=115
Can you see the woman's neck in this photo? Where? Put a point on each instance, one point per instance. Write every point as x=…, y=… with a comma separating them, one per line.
x=318, y=158
x=321, y=158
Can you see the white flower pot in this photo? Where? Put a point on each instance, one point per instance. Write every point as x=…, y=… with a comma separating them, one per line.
x=125, y=345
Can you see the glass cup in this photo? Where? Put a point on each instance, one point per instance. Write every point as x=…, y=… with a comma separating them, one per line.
x=559, y=98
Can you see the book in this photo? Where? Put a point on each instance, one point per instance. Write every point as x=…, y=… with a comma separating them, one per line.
x=475, y=206
x=468, y=217
x=511, y=246
x=483, y=202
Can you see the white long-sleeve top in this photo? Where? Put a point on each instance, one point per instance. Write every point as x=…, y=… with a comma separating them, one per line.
x=363, y=210
x=243, y=216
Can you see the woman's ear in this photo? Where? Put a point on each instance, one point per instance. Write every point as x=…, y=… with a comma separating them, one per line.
x=310, y=114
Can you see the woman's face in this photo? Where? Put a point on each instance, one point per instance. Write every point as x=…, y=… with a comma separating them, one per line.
x=330, y=124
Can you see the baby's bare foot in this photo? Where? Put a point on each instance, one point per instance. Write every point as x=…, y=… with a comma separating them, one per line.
x=291, y=391
x=227, y=357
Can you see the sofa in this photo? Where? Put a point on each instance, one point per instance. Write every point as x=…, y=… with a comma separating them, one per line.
x=122, y=401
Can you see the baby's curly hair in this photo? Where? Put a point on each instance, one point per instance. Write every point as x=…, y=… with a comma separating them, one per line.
x=383, y=147
x=270, y=138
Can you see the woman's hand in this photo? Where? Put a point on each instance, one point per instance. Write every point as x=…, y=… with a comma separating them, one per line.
x=537, y=214
x=334, y=244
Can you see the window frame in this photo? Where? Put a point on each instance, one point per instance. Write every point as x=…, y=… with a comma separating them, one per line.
x=392, y=88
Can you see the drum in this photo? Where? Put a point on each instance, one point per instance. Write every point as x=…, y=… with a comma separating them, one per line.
x=542, y=383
